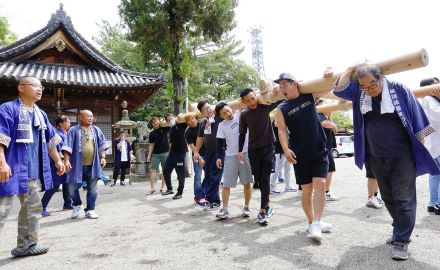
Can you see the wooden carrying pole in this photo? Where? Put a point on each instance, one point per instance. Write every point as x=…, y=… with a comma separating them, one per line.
x=401, y=63
x=405, y=62
x=346, y=105
x=340, y=106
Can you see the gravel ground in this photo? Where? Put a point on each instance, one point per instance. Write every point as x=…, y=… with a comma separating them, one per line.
x=135, y=231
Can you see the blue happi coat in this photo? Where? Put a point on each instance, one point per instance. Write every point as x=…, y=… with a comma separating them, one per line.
x=410, y=113
x=16, y=153
x=73, y=145
x=56, y=179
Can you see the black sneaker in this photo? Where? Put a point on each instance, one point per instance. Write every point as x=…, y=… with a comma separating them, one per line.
x=177, y=196
x=211, y=207
x=431, y=209
x=262, y=218
x=168, y=192
x=113, y=184
x=122, y=184
x=437, y=210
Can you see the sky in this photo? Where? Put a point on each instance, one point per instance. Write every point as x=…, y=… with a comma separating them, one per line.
x=300, y=37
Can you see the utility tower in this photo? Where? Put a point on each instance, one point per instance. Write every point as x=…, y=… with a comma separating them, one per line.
x=257, y=49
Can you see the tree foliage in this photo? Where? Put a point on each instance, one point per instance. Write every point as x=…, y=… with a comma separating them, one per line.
x=215, y=73
x=219, y=75
x=164, y=29
x=114, y=43
x=342, y=120
x=6, y=35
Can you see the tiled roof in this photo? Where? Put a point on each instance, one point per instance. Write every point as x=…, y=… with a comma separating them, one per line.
x=76, y=76
x=110, y=75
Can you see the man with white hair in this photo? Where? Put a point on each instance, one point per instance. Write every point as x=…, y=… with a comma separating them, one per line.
x=380, y=106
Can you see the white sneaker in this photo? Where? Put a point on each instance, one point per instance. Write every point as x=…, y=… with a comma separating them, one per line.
x=91, y=214
x=246, y=211
x=76, y=211
x=373, y=203
x=290, y=189
x=330, y=196
x=223, y=214
x=325, y=227
x=315, y=231
x=274, y=191
x=379, y=199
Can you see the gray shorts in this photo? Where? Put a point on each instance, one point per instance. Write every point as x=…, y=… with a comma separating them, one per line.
x=157, y=159
x=232, y=170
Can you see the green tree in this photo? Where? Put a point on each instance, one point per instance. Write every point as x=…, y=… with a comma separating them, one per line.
x=6, y=35
x=342, y=120
x=114, y=44
x=164, y=29
x=219, y=75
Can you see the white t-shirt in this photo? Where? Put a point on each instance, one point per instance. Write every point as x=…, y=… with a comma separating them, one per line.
x=124, y=151
x=229, y=130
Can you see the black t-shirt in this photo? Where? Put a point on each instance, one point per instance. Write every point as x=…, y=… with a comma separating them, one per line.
x=306, y=135
x=177, y=138
x=385, y=134
x=191, y=137
x=260, y=127
x=209, y=133
x=159, y=137
x=331, y=140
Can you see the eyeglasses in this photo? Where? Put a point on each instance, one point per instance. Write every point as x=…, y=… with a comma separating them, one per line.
x=366, y=88
x=34, y=85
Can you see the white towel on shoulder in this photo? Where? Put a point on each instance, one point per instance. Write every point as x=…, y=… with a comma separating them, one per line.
x=386, y=105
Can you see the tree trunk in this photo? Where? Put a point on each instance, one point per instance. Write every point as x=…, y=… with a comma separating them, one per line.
x=178, y=93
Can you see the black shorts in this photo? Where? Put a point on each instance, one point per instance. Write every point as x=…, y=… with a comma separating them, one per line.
x=308, y=168
x=331, y=163
x=369, y=172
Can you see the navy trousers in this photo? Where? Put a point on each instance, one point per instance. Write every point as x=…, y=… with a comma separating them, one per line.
x=396, y=178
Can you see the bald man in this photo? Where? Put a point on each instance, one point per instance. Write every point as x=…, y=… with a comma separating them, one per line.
x=84, y=156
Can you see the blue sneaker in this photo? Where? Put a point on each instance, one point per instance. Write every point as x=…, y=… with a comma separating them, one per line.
x=201, y=203
x=269, y=211
x=44, y=213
